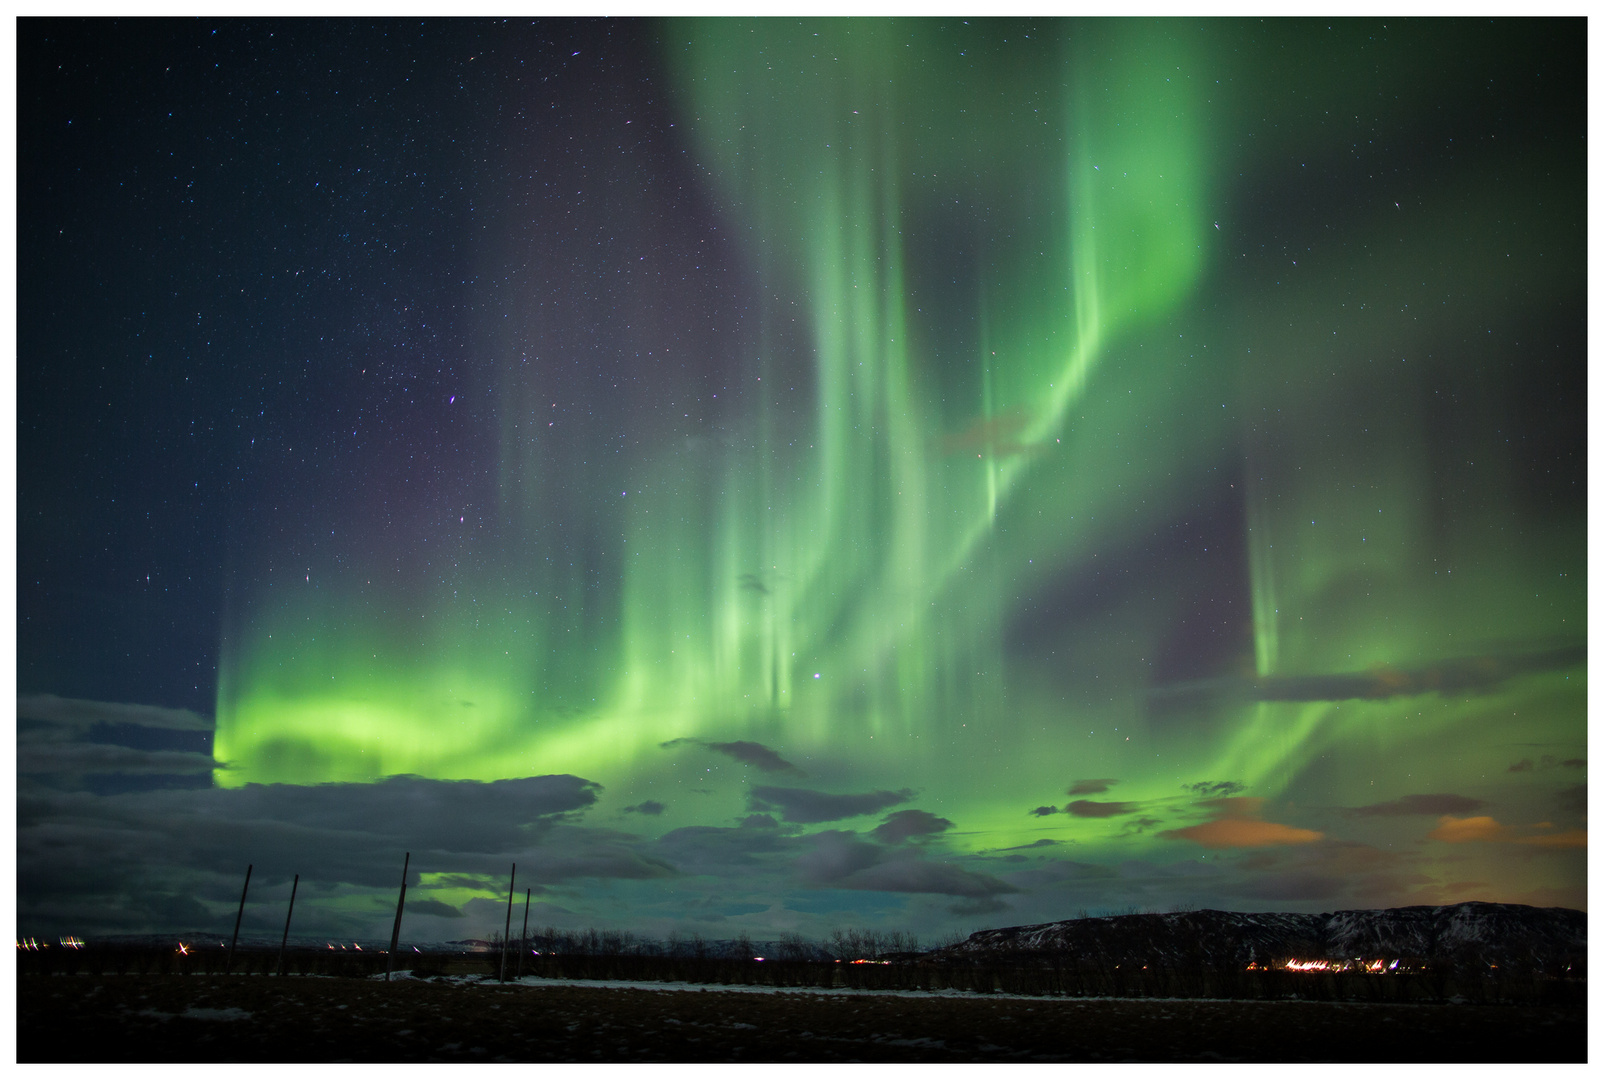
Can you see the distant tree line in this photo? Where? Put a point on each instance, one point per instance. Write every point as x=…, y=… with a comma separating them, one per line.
x=844, y=945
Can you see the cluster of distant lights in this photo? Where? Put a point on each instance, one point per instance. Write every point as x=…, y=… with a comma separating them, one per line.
x=1373, y=967
x=34, y=944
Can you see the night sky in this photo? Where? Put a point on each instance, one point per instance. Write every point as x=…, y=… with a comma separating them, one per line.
x=779, y=476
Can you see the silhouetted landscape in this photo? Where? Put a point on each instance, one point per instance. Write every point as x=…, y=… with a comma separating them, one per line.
x=1467, y=982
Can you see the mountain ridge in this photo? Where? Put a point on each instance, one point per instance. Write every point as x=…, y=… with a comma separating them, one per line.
x=1509, y=934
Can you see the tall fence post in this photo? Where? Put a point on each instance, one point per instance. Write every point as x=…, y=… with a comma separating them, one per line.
x=523, y=940
x=228, y=964
x=507, y=932
x=285, y=940
x=395, y=935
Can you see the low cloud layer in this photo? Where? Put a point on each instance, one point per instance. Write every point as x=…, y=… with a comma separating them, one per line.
x=842, y=860
x=160, y=857
x=1420, y=804
x=77, y=758
x=804, y=806
x=80, y=714
x=1457, y=675
x=1547, y=761
x=1242, y=833
x=173, y=858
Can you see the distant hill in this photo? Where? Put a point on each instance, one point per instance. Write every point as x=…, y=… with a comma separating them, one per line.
x=1512, y=935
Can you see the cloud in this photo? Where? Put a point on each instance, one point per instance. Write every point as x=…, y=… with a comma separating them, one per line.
x=1088, y=809
x=650, y=807
x=987, y=906
x=1214, y=787
x=1420, y=804
x=77, y=713
x=79, y=758
x=1238, y=826
x=759, y=821
x=1455, y=830
x=610, y=861
x=1092, y=787
x=1242, y=832
x=748, y=753
x=455, y=815
x=1044, y=811
x=918, y=876
x=805, y=807
x=737, y=853
x=1570, y=838
x=1573, y=799
x=840, y=860
x=1465, y=674
x=1474, y=674
x=834, y=856
x=1044, y=842
x=909, y=825
x=433, y=907
x=105, y=859
x=1548, y=761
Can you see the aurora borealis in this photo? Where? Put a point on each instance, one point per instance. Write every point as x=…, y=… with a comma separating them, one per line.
x=770, y=475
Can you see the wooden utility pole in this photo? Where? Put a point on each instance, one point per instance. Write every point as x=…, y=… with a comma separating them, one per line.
x=523, y=941
x=507, y=932
x=401, y=902
x=229, y=963
x=285, y=940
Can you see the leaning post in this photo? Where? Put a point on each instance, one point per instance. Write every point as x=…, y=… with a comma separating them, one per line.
x=285, y=940
x=507, y=931
x=523, y=941
x=395, y=935
x=229, y=963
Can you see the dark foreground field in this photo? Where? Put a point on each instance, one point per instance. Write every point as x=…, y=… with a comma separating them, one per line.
x=170, y=1018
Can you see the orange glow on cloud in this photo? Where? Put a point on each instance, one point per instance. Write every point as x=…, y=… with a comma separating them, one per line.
x=1452, y=830
x=1244, y=832
x=1568, y=838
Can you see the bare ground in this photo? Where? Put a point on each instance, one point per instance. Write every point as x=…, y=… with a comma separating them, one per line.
x=173, y=1018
